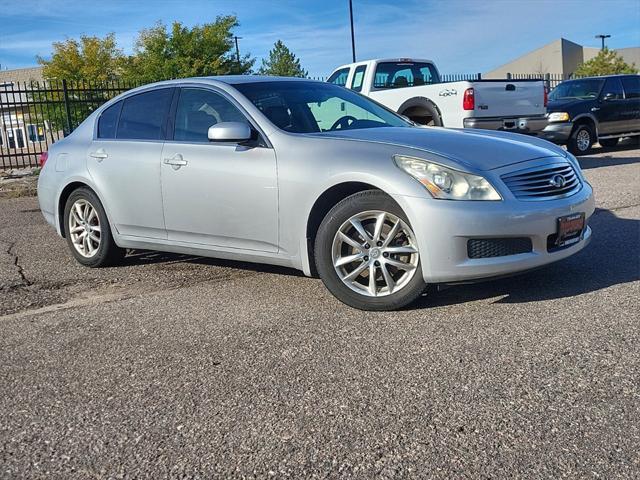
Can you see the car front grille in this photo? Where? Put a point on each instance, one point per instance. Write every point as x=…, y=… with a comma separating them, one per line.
x=548, y=182
x=498, y=247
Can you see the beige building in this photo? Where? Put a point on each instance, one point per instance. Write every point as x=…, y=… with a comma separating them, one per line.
x=32, y=74
x=558, y=57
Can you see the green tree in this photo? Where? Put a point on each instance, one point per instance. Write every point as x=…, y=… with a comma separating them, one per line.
x=186, y=52
x=607, y=62
x=90, y=58
x=282, y=62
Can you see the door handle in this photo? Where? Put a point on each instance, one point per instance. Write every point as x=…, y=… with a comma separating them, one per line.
x=99, y=154
x=176, y=161
x=595, y=109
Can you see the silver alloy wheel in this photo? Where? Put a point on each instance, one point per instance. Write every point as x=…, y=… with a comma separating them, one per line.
x=84, y=228
x=583, y=139
x=375, y=253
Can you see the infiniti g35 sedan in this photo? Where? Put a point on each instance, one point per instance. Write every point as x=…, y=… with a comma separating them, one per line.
x=312, y=176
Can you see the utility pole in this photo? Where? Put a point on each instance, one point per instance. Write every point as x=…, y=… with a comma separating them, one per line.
x=353, y=39
x=236, y=38
x=602, y=37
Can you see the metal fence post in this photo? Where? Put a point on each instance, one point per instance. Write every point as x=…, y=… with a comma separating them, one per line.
x=67, y=108
x=479, y=76
x=509, y=76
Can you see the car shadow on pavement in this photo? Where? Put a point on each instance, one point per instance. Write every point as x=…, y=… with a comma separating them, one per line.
x=148, y=257
x=611, y=259
x=589, y=162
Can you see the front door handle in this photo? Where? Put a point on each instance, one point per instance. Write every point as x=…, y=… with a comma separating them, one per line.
x=99, y=154
x=595, y=109
x=176, y=161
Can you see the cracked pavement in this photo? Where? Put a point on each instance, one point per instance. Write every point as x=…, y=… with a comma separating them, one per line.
x=180, y=367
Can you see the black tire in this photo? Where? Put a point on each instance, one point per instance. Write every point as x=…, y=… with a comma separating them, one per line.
x=609, y=142
x=107, y=253
x=353, y=205
x=577, y=144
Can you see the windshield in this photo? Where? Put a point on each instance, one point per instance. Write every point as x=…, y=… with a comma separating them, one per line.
x=588, y=88
x=315, y=107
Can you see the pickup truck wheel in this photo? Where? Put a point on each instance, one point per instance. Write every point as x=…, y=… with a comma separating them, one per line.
x=609, y=142
x=422, y=112
x=581, y=140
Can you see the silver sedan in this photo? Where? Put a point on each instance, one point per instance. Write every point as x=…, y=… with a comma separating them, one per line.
x=315, y=177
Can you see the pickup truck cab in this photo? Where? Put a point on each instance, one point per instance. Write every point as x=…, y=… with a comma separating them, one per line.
x=413, y=88
x=595, y=109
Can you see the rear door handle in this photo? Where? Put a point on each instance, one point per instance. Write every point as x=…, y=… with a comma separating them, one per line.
x=176, y=161
x=99, y=154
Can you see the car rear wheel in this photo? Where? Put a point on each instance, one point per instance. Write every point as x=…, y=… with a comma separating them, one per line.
x=581, y=141
x=87, y=230
x=367, y=255
x=609, y=142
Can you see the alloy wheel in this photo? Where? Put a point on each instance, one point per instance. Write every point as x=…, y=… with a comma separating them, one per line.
x=375, y=253
x=84, y=228
x=583, y=140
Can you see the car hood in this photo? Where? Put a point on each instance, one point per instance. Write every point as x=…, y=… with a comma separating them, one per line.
x=478, y=149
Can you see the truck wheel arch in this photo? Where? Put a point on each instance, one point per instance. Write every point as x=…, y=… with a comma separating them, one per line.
x=422, y=110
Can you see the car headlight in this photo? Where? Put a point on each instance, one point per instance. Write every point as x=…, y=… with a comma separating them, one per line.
x=559, y=117
x=446, y=183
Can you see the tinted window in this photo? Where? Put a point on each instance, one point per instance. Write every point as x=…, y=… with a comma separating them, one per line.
x=613, y=89
x=631, y=87
x=313, y=107
x=339, y=77
x=198, y=109
x=584, y=89
x=358, y=77
x=404, y=74
x=108, y=121
x=143, y=116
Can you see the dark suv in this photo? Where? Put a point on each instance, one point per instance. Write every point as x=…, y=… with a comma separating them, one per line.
x=584, y=111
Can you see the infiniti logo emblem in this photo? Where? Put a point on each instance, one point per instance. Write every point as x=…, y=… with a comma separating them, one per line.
x=557, y=181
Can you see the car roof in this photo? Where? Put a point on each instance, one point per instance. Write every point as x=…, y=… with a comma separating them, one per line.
x=597, y=77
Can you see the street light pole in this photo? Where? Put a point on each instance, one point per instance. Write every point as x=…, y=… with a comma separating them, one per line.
x=602, y=37
x=353, y=39
x=237, y=49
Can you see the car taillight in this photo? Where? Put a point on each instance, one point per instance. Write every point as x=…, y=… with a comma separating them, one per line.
x=468, y=100
x=43, y=158
x=546, y=95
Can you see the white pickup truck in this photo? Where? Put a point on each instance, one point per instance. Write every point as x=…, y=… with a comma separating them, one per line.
x=414, y=89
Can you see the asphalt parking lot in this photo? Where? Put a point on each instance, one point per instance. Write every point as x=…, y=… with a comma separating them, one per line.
x=180, y=367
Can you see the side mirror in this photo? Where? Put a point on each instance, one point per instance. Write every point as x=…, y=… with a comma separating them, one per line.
x=608, y=97
x=236, y=132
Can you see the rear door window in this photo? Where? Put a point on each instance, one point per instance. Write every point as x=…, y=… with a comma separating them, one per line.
x=109, y=121
x=339, y=77
x=144, y=115
x=358, y=78
x=631, y=87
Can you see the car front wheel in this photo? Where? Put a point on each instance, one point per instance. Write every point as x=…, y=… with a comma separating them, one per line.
x=367, y=255
x=87, y=230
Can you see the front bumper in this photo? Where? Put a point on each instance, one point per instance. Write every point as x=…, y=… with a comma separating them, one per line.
x=557, y=132
x=443, y=229
x=532, y=125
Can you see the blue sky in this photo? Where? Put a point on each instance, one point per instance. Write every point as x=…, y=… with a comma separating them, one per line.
x=460, y=35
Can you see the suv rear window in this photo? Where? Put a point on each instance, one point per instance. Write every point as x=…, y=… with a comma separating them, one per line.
x=144, y=115
x=404, y=74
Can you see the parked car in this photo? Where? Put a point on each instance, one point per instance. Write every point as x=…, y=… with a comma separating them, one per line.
x=596, y=109
x=413, y=88
x=276, y=171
